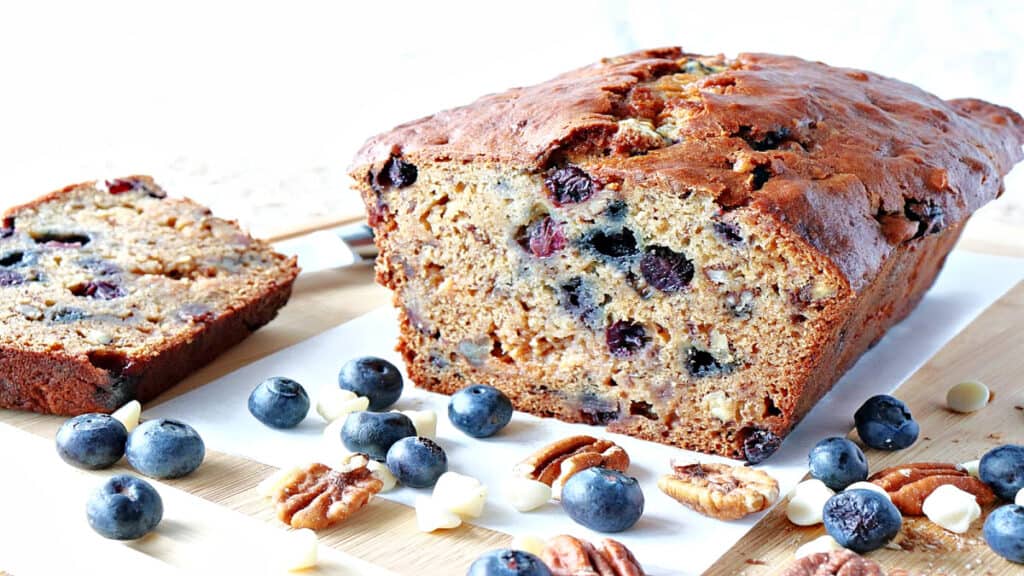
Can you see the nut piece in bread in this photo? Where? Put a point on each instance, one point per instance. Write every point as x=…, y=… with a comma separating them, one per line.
x=720, y=491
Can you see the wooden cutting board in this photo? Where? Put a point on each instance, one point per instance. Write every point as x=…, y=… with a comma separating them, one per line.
x=990, y=349
x=385, y=533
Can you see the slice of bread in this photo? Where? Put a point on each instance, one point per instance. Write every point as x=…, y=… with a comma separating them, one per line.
x=110, y=291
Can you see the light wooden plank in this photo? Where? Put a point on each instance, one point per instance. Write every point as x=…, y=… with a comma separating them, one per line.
x=195, y=536
x=989, y=349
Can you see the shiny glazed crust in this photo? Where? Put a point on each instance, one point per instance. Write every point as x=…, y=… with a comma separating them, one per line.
x=685, y=248
x=116, y=292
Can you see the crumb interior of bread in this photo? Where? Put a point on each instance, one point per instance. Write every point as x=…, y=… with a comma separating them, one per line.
x=121, y=276
x=715, y=357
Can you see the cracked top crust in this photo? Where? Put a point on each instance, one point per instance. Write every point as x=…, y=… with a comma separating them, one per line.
x=853, y=162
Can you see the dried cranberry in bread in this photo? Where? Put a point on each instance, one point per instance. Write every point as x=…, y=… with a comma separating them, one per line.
x=111, y=291
x=687, y=249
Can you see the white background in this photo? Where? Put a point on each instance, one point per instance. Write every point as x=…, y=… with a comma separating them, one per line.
x=257, y=107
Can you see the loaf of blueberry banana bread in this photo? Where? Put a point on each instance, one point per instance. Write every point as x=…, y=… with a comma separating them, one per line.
x=688, y=249
x=110, y=291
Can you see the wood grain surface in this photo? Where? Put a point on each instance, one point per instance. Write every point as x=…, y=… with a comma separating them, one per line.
x=990, y=350
x=385, y=533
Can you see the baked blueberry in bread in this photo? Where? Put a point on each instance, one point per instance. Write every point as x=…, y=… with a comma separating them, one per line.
x=688, y=249
x=110, y=291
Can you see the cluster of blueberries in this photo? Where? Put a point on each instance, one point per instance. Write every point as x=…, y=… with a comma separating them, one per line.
x=864, y=520
x=389, y=437
x=600, y=499
x=127, y=507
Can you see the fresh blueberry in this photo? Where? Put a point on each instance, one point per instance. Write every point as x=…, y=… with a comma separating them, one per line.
x=165, y=449
x=1004, y=532
x=614, y=244
x=506, y=562
x=838, y=463
x=373, y=433
x=279, y=402
x=99, y=290
x=625, y=338
x=417, y=462
x=1002, y=468
x=861, y=520
x=65, y=314
x=124, y=508
x=91, y=441
x=665, y=269
x=397, y=172
x=885, y=423
x=479, y=410
x=375, y=378
x=578, y=298
x=701, y=363
x=10, y=278
x=543, y=237
x=569, y=185
x=603, y=500
x=759, y=444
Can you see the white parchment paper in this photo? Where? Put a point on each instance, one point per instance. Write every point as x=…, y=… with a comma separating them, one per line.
x=669, y=539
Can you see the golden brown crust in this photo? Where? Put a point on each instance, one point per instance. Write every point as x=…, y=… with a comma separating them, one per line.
x=115, y=352
x=845, y=147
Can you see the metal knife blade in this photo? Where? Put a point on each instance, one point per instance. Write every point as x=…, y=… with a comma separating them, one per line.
x=333, y=248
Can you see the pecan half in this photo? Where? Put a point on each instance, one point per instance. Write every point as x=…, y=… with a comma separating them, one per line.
x=555, y=463
x=720, y=490
x=835, y=563
x=910, y=484
x=318, y=496
x=568, y=556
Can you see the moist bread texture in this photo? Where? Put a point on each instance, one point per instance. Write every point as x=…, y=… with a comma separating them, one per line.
x=688, y=249
x=110, y=291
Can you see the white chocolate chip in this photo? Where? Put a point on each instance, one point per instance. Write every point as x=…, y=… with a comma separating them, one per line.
x=352, y=461
x=807, y=502
x=425, y=422
x=864, y=485
x=822, y=290
x=99, y=337
x=823, y=543
x=432, y=516
x=1019, y=499
x=743, y=164
x=529, y=543
x=299, y=551
x=971, y=467
x=382, y=473
x=951, y=508
x=463, y=495
x=525, y=494
x=128, y=415
x=273, y=483
x=334, y=404
x=378, y=470
x=967, y=396
x=718, y=276
x=719, y=405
